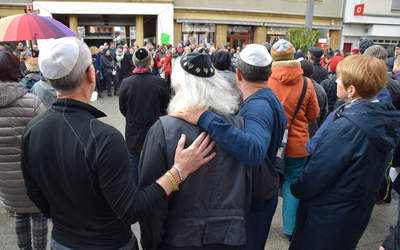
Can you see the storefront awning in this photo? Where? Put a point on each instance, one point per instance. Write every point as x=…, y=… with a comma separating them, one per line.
x=230, y=22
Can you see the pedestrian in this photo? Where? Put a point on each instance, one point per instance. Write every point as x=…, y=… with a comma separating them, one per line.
x=143, y=98
x=321, y=97
x=261, y=136
x=329, y=84
x=338, y=187
x=222, y=63
x=108, y=64
x=76, y=167
x=120, y=74
x=46, y=93
x=396, y=70
x=208, y=213
x=314, y=55
x=32, y=73
x=288, y=84
x=17, y=108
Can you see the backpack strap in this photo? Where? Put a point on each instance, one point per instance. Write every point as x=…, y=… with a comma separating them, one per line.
x=303, y=93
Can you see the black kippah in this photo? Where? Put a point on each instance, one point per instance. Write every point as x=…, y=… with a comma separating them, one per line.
x=141, y=54
x=198, y=64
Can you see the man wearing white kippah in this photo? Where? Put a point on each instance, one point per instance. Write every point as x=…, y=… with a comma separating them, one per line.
x=76, y=167
x=264, y=124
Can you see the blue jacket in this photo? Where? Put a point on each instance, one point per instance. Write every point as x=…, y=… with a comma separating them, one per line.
x=98, y=66
x=338, y=187
x=265, y=122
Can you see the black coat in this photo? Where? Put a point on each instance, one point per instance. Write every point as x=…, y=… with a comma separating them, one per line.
x=143, y=98
x=338, y=187
x=211, y=205
x=108, y=64
x=126, y=66
x=330, y=88
x=319, y=73
x=76, y=171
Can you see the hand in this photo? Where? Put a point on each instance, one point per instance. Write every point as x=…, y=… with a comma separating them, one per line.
x=381, y=248
x=191, y=116
x=193, y=157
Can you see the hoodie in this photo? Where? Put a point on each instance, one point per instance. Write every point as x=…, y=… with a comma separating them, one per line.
x=17, y=108
x=286, y=81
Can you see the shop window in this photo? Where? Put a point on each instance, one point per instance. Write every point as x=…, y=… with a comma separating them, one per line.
x=198, y=33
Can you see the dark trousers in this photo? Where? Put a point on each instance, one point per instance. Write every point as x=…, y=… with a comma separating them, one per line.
x=258, y=223
x=107, y=79
x=134, y=164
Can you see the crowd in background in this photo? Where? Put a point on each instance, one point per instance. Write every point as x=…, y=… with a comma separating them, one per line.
x=331, y=85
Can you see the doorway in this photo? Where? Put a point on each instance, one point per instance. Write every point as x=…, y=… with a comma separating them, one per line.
x=238, y=40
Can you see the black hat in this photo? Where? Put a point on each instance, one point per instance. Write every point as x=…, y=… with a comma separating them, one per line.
x=197, y=64
x=316, y=52
x=141, y=55
x=222, y=60
x=365, y=44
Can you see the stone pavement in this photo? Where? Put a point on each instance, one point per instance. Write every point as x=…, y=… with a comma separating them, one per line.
x=383, y=215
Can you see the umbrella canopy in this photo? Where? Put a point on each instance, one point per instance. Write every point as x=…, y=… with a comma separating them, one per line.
x=31, y=27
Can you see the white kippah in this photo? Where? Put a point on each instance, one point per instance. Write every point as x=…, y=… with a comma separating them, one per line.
x=58, y=58
x=256, y=55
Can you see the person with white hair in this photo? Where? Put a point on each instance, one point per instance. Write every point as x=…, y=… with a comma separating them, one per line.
x=209, y=211
x=256, y=145
x=76, y=167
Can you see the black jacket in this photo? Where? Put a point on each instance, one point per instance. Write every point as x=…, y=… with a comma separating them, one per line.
x=211, y=205
x=108, y=64
x=330, y=88
x=77, y=172
x=319, y=73
x=143, y=98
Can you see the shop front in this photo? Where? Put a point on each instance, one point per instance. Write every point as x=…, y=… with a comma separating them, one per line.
x=199, y=33
x=239, y=36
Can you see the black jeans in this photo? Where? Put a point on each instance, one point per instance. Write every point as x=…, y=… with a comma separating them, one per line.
x=107, y=79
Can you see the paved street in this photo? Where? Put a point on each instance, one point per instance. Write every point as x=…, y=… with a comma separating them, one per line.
x=382, y=217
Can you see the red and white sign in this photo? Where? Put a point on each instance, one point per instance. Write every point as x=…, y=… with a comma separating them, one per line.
x=322, y=43
x=359, y=10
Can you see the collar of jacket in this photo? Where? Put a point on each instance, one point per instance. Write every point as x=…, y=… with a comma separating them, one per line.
x=141, y=70
x=289, y=63
x=66, y=104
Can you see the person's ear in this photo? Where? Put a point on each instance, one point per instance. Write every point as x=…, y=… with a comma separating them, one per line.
x=91, y=74
x=351, y=91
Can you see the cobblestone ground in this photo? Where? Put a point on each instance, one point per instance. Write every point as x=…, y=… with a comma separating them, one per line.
x=383, y=215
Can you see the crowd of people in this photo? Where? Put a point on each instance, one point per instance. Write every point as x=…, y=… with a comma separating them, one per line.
x=205, y=131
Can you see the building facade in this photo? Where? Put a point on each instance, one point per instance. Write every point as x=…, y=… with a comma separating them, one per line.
x=8, y=8
x=380, y=21
x=238, y=22
x=233, y=23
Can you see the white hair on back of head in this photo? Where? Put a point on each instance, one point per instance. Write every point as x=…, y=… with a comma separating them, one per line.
x=215, y=93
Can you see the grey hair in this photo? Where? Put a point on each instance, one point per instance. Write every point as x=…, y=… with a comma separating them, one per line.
x=143, y=63
x=377, y=51
x=214, y=93
x=73, y=80
x=253, y=73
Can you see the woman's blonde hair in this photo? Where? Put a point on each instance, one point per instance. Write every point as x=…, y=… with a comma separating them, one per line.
x=93, y=50
x=366, y=73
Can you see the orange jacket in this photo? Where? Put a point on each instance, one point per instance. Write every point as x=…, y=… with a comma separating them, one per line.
x=286, y=81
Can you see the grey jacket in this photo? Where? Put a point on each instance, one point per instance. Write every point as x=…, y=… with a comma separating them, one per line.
x=46, y=93
x=212, y=203
x=17, y=108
